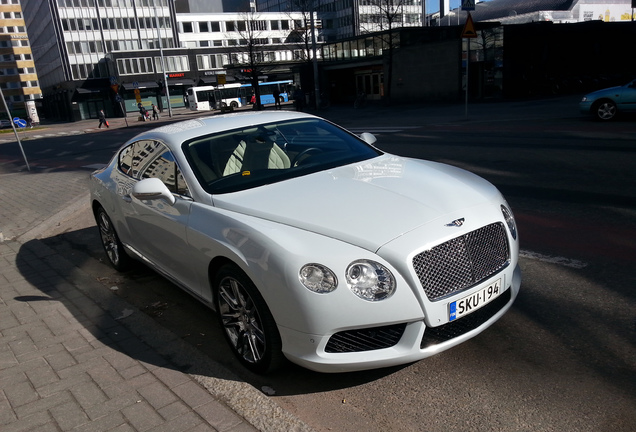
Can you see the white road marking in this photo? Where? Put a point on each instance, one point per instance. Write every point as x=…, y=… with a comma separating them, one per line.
x=568, y=262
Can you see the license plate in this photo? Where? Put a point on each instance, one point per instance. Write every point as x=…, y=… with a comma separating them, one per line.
x=471, y=303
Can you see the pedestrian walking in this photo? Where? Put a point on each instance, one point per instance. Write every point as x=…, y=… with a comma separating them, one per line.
x=143, y=111
x=299, y=98
x=102, y=119
x=276, y=95
x=155, y=113
x=29, y=121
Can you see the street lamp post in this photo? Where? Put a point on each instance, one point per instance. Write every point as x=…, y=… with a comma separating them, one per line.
x=17, y=137
x=315, y=59
x=163, y=63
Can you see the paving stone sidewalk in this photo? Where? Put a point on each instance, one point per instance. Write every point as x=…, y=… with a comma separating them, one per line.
x=75, y=357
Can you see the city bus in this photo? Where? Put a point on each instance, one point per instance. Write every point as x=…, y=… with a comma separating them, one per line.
x=206, y=98
x=267, y=91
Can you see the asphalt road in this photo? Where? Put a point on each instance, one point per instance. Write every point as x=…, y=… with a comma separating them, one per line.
x=563, y=358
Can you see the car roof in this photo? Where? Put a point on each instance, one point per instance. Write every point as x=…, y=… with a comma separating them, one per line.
x=177, y=133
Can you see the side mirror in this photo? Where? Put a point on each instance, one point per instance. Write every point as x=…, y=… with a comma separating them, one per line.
x=152, y=189
x=367, y=137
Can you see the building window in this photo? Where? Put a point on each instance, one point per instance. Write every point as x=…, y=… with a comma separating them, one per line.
x=174, y=63
x=203, y=27
x=133, y=66
x=207, y=62
x=258, y=25
x=187, y=27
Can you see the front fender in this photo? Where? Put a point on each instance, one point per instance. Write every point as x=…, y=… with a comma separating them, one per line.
x=271, y=254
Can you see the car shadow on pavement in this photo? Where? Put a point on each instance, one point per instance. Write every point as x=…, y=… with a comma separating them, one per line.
x=97, y=316
x=139, y=311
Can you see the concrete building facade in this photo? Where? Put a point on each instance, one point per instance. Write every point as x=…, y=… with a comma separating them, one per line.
x=103, y=54
x=18, y=77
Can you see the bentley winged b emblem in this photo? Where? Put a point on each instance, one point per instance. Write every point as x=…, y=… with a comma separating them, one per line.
x=456, y=223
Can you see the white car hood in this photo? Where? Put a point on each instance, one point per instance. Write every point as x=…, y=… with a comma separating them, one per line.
x=366, y=204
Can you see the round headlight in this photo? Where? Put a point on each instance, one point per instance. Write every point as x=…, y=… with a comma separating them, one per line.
x=370, y=280
x=318, y=278
x=510, y=221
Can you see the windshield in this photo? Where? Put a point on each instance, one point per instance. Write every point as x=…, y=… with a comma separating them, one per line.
x=245, y=158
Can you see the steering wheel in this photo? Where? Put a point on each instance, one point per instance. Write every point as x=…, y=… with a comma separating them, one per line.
x=303, y=154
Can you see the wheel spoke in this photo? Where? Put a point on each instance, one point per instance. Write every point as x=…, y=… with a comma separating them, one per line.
x=241, y=320
x=108, y=239
x=254, y=347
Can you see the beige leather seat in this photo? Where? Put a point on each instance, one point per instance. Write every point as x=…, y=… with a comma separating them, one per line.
x=256, y=155
x=235, y=162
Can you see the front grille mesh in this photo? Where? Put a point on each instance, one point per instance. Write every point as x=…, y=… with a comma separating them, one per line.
x=365, y=339
x=462, y=262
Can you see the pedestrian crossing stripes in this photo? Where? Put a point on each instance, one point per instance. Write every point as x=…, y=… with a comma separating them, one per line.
x=45, y=135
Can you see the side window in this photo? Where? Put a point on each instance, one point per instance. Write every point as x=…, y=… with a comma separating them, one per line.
x=133, y=158
x=125, y=159
x=150, y=159
x=156, y=161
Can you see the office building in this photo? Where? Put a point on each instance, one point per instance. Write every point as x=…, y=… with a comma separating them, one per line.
x=112, y=54
x=18, y=77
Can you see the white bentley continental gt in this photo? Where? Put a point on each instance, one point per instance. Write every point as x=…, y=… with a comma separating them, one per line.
x=310, y=243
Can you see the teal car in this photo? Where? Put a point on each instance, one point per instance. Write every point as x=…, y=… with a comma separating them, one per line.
x=607, y=103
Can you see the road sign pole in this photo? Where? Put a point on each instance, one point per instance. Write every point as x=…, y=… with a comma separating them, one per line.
x=468, y=33
x=467, y=63
x=123, y=109
x=17, y=137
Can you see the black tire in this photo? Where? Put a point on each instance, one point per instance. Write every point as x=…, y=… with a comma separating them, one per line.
x=248, y=325
x=115, y=252
x=605, y=110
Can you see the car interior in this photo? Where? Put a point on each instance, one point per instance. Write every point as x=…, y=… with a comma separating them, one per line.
x=270, y=152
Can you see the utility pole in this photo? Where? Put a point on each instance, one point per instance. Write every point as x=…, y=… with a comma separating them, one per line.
x=315, y=59
x=17, y=137
x=163, y=63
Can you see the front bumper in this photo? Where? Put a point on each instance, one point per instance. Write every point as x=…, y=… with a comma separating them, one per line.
x=585, y=107
x=417, y=341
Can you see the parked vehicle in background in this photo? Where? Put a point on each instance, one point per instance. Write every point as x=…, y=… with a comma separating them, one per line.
x=607, y=103
x=235, y=95
x=207, y=98
x=5, y=124
x=267, y=92
x=309, y=242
